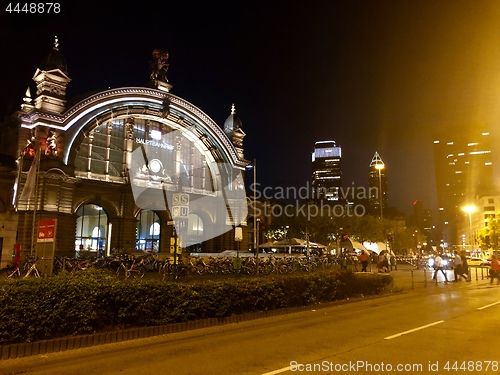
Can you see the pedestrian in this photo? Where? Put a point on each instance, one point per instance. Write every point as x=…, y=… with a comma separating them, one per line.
x=494, y=269
x=457, y=267
x=465, y=266
x=364, y=258
x=394, y=264
x=438, y=266
x=385, y=262
x=355, y=262
x=343, y=262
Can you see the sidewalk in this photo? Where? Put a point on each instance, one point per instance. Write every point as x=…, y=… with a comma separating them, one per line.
x=409, y=278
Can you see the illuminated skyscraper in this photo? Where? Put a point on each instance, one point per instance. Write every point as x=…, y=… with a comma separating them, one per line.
x=377, y=187
x=326, y=171
x=464, y=173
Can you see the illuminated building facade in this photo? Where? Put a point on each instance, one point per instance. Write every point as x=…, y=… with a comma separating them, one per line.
x=378, y=200
x=326, y=171
x=423, y=221
x=107, y=166
x=464, y=173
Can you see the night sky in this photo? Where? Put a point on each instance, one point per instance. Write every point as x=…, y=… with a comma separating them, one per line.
x=371, y=75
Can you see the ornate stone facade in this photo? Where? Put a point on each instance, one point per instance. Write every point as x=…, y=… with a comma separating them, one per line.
x=83, y=157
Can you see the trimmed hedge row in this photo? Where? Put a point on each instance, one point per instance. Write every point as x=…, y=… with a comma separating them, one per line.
x=40, y=309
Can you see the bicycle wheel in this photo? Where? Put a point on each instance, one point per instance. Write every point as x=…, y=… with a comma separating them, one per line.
x=136, y=273
x=121, y=272
x=164, y=271
x=14, y=274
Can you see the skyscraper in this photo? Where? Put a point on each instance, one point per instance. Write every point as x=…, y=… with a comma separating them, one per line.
x=378, y=200
x=464, y=173
x=422, y=220
x=326, y=171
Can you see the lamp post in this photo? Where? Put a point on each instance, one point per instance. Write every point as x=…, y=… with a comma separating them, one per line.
x=470, y=210
x=255, y=216
x=380, y=167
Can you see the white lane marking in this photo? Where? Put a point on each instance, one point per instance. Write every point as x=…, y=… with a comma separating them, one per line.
x=412, y=330
x=491, y=304
x=279, y=370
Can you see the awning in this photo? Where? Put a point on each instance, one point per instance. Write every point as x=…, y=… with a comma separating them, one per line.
x=372, y=246
x=292, y=242
x=350, y=244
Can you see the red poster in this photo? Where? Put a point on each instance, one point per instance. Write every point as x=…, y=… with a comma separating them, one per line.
x=46, y=230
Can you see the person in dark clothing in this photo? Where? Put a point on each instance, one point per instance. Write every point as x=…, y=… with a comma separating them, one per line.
x=465, y=267
x=364, y=258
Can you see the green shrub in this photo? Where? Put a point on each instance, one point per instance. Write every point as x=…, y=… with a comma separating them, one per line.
x=38, y=309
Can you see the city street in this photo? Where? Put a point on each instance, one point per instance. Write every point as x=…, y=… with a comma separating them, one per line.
x=429, y=327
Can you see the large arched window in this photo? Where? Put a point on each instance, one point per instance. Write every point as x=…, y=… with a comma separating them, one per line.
x=195, y=229
x=91, y=229
x=148, y=231
x=101, y=153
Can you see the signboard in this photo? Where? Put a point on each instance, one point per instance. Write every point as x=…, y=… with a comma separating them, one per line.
x=238, y=234
x=180, y=206
x=46, y=230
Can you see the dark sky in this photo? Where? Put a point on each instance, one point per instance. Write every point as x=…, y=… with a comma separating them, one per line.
x=372, y=75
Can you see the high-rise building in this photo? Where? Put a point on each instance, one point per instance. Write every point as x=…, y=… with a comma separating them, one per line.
x=464, y=173
x=378, y=200
x=326, y=171
x=422, y=220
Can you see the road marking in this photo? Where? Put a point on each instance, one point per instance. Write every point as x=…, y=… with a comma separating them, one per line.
x=279, y=370
x=491, y=304
x=412, y=330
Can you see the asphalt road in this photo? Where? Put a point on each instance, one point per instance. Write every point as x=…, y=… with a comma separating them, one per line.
x=426, y=329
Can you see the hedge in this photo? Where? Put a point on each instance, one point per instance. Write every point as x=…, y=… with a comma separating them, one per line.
x=89, y=302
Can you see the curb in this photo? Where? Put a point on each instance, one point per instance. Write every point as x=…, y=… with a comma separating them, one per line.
x=20, y=350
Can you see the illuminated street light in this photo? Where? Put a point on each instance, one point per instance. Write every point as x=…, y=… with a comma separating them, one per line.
x=470, y=210
x=380, y=167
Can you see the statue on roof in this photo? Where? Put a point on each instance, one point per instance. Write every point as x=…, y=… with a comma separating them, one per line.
x=159, y=65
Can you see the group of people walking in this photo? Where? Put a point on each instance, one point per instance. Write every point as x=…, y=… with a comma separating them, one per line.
x=460, y=267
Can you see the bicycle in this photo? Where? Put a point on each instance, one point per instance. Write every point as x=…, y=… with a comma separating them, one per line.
x=16, y=273
x=131, y=269
x=32, y=269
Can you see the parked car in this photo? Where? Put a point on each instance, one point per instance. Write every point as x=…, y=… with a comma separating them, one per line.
x=477, y=261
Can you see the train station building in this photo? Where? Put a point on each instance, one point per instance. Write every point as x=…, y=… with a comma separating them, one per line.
x=129, y=168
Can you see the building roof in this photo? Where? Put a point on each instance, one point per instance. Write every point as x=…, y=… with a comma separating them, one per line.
x=54, y=60
x=233, y=122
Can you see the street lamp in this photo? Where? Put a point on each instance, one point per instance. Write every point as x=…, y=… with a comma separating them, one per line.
x=470, y=210
x=380, y=167
x=254, y=166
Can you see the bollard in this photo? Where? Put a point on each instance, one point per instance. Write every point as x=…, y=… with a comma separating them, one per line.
x=412, y=283
x=425, y=278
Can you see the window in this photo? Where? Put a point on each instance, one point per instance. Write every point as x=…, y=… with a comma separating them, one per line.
x=148, y=231
x=195, y=229
x=91, y=229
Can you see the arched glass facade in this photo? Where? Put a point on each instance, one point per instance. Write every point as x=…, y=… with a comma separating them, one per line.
x=91, y=229
x=103, y=152
x=148, y=231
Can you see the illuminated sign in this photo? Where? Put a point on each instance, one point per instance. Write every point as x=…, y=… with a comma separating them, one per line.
x=46, y=230
x=154, y=143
